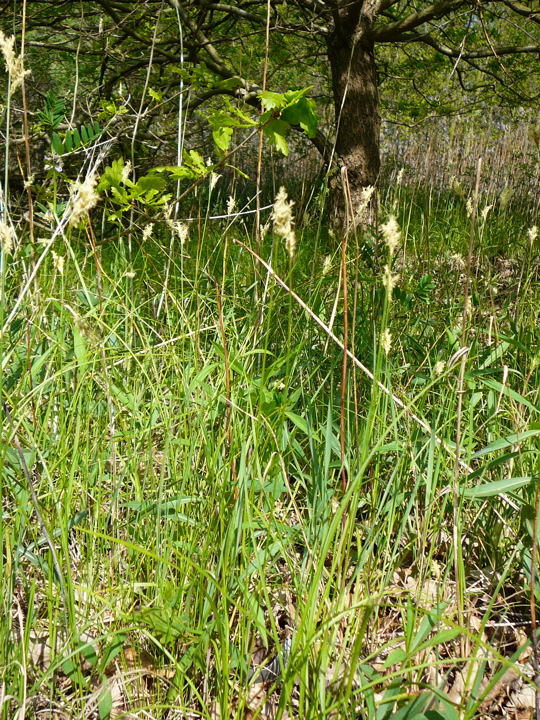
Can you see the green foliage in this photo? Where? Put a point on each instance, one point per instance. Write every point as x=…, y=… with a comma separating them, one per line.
x=282, y=111
x=72, y=140
x=147, y=191
x=53, y=112
x=223, y=123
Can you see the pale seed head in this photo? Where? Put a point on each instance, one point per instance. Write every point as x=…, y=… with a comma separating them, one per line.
x=391, y=234
x=83, y=199
x=386, y=341
x=283, y=220
x=7, y=237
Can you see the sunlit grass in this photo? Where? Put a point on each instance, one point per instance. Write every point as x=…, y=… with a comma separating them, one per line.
x=187, y=468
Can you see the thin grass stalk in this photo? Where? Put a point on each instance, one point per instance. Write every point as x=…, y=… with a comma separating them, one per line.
x=458, y=557
x=532, y=600
x=343, y=408
x=228, y=424
x=181, y=120
x=261, y=134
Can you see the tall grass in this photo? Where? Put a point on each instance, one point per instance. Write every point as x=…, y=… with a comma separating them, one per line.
x=177, y=540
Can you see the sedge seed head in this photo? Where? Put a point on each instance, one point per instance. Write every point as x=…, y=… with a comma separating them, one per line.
x=58, y=262
x=389, y=281
x=386, y=341
x=7, y=237
x=231, y=205
x=83, y=198
x=14, y=63
x=283, y=220
x=439, y=367
x=327, y=265
x=391, y=234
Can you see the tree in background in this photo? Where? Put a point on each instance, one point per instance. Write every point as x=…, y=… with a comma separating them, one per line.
x=489, y=50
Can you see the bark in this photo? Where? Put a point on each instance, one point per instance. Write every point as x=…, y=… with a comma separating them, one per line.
x=356, y=100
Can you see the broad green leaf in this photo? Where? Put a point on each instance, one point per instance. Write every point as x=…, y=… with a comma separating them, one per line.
x=299, y=421
x=150, y=182
x=293, y=96
x=497, y=487
x=395, y=657
x=112, y=175
x=68, y=141
x=196, y=161
x=105, y=704
x=271, y=100
x=302, y=113
x=112, y=650
x=505, y=390
x=56, y=143
x=178, y=172
x=275, y=131
x=222, y=137
x=505, y=442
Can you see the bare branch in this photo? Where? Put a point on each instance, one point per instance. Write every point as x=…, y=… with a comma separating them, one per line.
x=523, y=10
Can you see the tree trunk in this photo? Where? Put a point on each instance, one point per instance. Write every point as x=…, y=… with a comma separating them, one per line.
x=356, y=100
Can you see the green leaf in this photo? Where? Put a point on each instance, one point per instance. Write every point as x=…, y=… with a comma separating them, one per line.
x=232, y=83
x=491, y=464
x=275, y=131
x=112, y=175
x=240, y=172
x=508, y=392
x=302, y=113
x=150, y=182
x=84, y=134
x=497, y=487
x=79, y=346
x=196, y=161
x=105, y=704
x=300, y=423
x=178, y=172
x=112, y=650
x=505, y=442
x=76, y=139
x=222, y=137
x=68, y=141
x=271, y=100
x=56, y=144
x=413, y=710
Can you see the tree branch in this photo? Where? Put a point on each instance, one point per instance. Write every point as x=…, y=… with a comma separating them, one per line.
x=215, y=61
x=393, y=32
x=523, y=10
x=239, y=12
x=476, y=54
